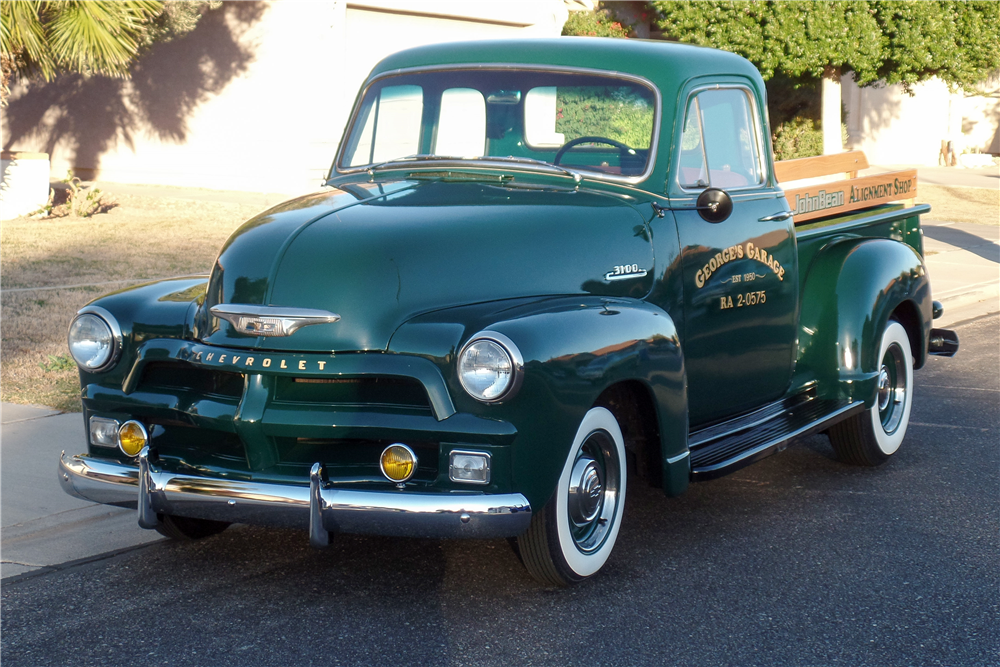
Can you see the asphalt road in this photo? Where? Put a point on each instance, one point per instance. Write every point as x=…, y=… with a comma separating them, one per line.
x=798, y=560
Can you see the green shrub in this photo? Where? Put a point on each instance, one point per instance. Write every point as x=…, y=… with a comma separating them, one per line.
x=598, y=23
x=800, y=137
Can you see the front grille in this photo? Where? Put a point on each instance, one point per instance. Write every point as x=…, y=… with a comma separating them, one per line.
x=180, y=375
x=378, y=392
x=351, y=460
x=175, y=439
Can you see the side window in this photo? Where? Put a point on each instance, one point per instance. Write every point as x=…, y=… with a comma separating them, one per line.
x=720, y=133
x=461, y=128
x=392, y=126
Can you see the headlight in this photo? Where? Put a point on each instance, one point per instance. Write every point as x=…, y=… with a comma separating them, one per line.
x=490, y=367
x=94, y=339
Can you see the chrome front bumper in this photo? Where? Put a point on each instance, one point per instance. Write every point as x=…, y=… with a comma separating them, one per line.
x=319, y=508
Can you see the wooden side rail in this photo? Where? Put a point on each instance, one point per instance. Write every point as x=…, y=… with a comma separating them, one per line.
x=849, y=163
x=837, y=197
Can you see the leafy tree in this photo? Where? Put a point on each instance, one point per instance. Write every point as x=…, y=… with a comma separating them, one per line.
x=889, y=41
x=42, y=39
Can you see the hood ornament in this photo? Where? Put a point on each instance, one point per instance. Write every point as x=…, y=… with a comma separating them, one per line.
x=271, y=321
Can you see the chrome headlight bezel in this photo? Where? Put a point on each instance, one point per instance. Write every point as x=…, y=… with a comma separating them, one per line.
x=516, y=363
x=116, y=338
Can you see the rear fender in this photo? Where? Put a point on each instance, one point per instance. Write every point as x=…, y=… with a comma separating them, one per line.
x=852, y=289
x=573, y=348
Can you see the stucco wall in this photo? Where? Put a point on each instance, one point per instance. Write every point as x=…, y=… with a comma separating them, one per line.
x=254, y=99
x=892, y=127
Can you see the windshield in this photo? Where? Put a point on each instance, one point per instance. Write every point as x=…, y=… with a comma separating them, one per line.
x=598, y=123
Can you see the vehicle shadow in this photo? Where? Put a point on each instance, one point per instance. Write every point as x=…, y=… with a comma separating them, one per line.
x=962, y=239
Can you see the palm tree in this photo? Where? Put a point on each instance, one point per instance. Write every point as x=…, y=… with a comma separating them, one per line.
x=42, y=39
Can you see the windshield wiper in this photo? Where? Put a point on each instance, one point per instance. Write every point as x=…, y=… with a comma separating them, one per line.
x=416, y=157
x=576, y=176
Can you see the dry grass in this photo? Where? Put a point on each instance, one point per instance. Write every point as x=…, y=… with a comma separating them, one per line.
x=975, y=205
x=143, y=239
x=147, y=238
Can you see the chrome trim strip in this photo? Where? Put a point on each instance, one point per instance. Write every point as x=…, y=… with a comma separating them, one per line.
x=398, y=513
x=680, y=457
x=538, y=67
x=252, y=320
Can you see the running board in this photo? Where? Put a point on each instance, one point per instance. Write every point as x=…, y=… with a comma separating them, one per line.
x=727, y=447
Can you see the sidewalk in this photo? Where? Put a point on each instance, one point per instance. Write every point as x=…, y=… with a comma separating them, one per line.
x=43, y=528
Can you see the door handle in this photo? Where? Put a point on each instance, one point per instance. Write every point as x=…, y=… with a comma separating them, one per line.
x=784, y=215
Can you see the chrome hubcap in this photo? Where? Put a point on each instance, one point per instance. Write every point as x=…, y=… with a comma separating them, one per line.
x=586, y=491
x=592, y=501
x=892, y=389
x=884, y=391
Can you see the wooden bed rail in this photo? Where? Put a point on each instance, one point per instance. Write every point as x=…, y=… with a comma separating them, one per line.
x=837, y=197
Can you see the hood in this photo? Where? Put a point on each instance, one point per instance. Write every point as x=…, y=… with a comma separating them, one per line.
x=378, y=255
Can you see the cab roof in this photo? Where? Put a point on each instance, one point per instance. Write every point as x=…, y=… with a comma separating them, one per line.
x=666, y=64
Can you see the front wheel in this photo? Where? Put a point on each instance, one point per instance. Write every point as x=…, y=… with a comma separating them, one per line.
x=573, y=535
x=870, y=438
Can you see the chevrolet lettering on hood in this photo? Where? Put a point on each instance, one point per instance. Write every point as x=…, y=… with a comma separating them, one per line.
x=539, y=273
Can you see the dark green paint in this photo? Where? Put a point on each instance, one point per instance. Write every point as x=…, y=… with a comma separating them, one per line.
x=418, y=260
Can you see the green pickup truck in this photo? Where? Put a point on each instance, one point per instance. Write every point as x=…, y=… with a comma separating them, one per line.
x=540, y=271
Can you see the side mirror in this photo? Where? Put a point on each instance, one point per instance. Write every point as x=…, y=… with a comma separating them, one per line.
x=714, y=205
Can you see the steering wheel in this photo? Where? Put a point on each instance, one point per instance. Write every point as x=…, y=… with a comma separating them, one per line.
x=622, y=148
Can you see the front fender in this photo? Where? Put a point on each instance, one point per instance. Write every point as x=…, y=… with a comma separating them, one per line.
x=850, y=292
x=163, y=309
x=574, y=348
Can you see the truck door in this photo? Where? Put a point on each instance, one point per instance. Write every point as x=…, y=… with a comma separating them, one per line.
x=739, y=275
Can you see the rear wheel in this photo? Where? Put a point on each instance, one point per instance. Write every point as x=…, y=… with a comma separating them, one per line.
x=571, y=538
x=870, y=438
x=186, y=529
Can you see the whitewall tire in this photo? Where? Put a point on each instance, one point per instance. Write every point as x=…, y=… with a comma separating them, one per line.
x=574, y=534
x=871, y=437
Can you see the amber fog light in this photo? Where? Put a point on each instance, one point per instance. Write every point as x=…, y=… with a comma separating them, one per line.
x=398, y=462
x=132, y=437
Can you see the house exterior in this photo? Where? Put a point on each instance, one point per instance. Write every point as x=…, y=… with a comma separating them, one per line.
x=255, y=98
x=892, y=127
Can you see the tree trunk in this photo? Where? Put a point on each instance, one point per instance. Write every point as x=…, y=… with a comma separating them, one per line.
x=831, y=111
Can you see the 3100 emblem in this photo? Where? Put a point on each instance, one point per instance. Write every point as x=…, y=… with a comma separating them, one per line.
x=624, y=272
